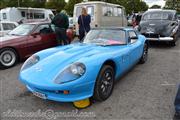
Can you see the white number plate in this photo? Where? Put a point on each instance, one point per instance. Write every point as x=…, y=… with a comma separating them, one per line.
x=40, y=95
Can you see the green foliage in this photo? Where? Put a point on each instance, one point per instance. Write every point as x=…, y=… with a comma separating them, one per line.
x=172, y=4
x=70, y=6
x=56, y=4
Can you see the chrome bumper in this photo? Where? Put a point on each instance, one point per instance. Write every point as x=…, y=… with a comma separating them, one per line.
x=161, y=39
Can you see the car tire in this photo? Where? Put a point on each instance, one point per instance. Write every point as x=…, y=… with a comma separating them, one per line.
x=144, y=55
x=8, y=58
x=104, y=84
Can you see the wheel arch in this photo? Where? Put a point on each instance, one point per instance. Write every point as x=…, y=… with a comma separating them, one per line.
x=111, y=63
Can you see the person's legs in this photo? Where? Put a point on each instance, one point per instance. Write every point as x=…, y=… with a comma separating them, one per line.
x=81, y=35
x=63, y=36
x=58, y=36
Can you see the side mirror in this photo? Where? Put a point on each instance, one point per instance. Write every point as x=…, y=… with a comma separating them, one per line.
x=35, y=34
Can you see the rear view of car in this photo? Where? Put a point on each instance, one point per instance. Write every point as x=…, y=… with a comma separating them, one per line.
x=160, y=25
x=7, y=26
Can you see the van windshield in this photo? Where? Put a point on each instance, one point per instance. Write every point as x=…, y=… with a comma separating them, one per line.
x=23, y=29
x=105, y=37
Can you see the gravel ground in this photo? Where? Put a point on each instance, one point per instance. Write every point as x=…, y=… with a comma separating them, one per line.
x=146, y=92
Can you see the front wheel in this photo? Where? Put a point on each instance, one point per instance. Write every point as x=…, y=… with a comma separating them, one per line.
x=145, y=54
x=8, y=58
x=104, y=83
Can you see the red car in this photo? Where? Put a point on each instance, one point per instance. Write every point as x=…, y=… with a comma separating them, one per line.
x=24, y=41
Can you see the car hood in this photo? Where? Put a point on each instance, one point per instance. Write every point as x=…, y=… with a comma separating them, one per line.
x=9, y=37
x=61, y=57
x=161, y=27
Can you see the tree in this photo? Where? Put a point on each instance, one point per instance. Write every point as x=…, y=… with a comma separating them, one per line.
x=155, y=7
x=56, y=4
x=172, y=4
x=70, y=6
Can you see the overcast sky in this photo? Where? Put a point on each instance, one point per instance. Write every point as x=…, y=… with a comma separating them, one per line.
x=155, y=2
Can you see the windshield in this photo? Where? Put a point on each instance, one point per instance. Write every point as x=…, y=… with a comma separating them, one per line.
x=105, y=37
x=158, y=16
x=23, y=29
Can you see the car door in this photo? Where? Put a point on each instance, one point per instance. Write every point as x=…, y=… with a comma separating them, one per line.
x=41, y=38
x=135, y=47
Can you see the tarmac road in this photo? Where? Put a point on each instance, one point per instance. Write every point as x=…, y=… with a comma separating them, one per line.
x=147, y=92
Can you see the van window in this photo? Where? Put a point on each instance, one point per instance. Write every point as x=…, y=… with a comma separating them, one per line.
x=29, y=15
x=23, y=14
x=90, y=11
x=119, y=11
x=39, y=16
x=115, y=11
x=107, y=11
x=4, y=16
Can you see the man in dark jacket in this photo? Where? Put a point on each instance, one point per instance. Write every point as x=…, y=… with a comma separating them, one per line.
x=61, y=22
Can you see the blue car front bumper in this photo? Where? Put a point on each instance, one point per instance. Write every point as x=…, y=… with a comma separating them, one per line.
x=78, y=89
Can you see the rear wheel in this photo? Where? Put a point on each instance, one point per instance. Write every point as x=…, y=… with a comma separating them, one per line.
x=8, y=57
x=145, y=54
x=104, y=83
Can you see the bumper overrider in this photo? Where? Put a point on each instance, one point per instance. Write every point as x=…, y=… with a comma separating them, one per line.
x=67, y=92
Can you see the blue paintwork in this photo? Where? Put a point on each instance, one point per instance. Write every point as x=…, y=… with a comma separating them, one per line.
x=54, y=60
x=177, y=102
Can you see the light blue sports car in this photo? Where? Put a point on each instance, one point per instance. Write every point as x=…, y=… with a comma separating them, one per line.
x=84, y=70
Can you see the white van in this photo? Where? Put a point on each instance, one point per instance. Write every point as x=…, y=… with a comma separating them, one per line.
x=24, y=14
x=102, y=14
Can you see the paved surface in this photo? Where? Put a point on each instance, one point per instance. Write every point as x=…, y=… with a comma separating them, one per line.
x=147, y=92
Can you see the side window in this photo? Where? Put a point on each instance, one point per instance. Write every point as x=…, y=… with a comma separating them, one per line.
x=119, y=12
x=8, y=26
x=4, y=16
x=107, y=11
x=43, y=29
x=23, y=14
x=39, y=16
x=132, y=37
x=115, y=11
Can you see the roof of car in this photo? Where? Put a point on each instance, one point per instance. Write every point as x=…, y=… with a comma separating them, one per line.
x=160, y=10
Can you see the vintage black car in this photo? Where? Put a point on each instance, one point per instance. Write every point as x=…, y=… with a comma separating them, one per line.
x=160, y=25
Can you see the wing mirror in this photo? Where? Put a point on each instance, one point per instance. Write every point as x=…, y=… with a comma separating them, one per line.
x=35, y=34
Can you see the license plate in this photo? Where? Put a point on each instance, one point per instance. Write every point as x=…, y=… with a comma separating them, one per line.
x=40, y=95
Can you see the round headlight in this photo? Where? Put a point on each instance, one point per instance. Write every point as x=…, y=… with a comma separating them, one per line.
x=77, y=69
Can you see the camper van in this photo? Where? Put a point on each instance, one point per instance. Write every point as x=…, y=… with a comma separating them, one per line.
x=22, y=14
x=102, y=14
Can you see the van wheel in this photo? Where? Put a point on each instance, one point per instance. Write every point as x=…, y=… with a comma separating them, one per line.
x=104, y=83
x=8, y=58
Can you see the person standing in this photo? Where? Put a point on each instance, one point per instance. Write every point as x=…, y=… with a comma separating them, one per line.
x=61, y=22
x=84, y=21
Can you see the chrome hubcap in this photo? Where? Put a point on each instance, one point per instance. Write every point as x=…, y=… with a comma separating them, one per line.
x=7, y=58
